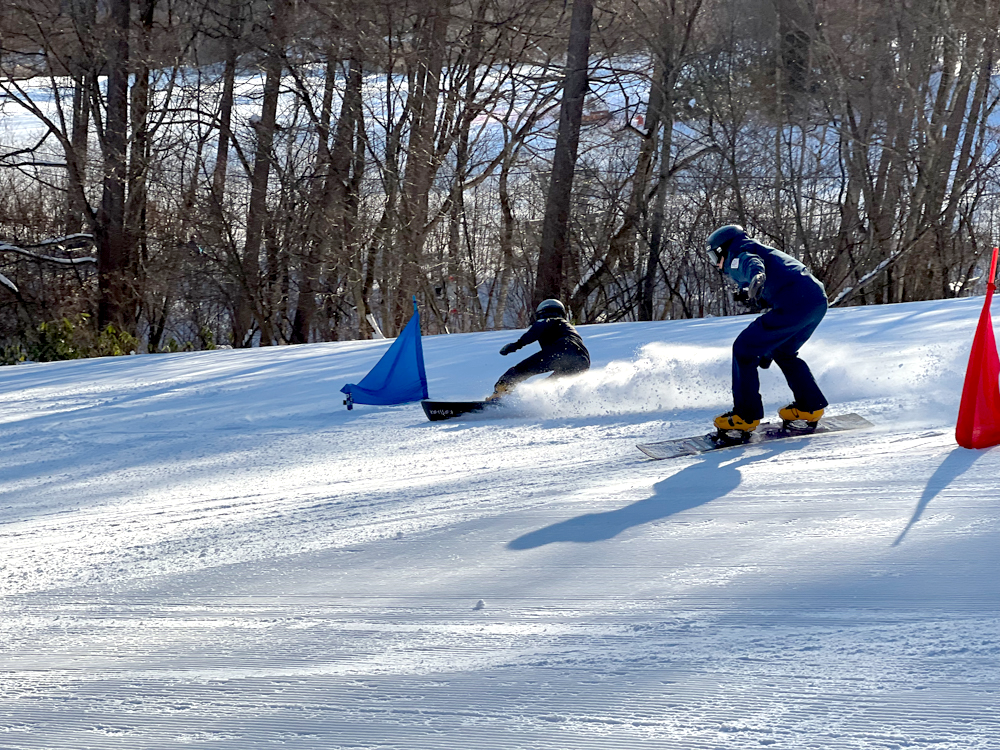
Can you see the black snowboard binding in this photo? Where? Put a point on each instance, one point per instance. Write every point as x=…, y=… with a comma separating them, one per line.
x=730, y=437
x=799, y=426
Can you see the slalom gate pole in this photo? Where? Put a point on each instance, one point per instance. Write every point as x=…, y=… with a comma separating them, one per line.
x=991, y=283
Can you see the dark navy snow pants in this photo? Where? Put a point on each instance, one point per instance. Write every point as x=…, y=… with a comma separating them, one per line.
x=558, y=363
x=778, y=335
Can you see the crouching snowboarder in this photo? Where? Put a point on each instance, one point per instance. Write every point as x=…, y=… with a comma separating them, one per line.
x=563, y=352
x=769, y=278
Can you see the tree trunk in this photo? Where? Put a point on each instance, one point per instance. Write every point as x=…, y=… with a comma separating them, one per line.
x=657, y=216
x=420, y=154
x=550, y=281
x=225, y=110
x=305, y=307
x=506, y=246
x=332, y=230
x=362, y=290
x=77, y=210
x=79, y=215
x=138, y=167
x=250, y=305
x=659, y=101
x=117, y=303
x=461, y=293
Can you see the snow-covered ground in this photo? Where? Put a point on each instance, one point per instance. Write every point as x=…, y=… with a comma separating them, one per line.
x=208, y=549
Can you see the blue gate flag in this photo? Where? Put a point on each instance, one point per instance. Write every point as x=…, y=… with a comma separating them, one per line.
x=399, y=376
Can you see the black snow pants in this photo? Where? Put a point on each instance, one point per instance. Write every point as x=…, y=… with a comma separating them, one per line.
x=559, y=363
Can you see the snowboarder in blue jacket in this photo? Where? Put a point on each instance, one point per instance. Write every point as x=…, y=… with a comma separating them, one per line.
x=563, y=352
x=796, y=302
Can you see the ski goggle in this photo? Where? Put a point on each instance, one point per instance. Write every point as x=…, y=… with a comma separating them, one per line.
x=714, y=253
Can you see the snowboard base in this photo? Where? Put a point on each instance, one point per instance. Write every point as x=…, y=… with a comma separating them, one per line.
x=440, y=410
x=766, y=432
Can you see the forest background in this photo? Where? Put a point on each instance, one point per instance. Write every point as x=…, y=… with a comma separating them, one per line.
x=183, y=174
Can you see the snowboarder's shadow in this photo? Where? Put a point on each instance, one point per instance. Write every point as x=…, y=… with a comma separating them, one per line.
x=715, y=476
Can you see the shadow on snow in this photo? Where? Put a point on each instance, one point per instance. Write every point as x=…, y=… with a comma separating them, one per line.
x=711, y=478
x=954, y=465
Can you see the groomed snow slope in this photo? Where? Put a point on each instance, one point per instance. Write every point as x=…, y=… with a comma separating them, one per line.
x=207, y=549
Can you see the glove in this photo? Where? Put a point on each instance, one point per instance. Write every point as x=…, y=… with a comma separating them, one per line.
x=765, y=362
x=507, y=349
x=755, y=286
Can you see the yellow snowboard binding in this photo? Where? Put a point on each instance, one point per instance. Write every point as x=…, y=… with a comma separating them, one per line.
x=733, y=429
x=792, y=417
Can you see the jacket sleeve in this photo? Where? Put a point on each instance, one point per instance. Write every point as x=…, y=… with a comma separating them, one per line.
x=743, y=267
x=531, y=335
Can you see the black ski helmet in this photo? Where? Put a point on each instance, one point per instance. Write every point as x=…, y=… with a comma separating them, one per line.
x=716, y=243
x=550, y=308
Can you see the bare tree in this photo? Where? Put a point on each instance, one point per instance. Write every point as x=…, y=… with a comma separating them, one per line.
x=250, y=305
x=550, y=280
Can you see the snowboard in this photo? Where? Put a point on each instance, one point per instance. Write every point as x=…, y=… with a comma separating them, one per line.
x=439, y=410
x=766, y=432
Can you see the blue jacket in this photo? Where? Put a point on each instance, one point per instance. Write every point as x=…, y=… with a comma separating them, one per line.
x=787, y=280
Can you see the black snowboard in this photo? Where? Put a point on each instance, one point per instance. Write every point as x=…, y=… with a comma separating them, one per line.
x=438, y=410
x=766, y=432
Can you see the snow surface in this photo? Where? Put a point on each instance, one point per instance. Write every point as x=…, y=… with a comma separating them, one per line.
x=208, y=549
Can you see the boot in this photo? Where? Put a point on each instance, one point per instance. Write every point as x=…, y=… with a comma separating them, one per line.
x=499, y=391
x=793, y=413
x=732, y=421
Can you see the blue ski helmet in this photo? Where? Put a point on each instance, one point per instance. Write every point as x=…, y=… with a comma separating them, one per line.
x=716, y=243
x=550, y=308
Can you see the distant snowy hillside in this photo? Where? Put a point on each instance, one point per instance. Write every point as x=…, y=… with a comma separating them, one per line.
x=208, y=549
